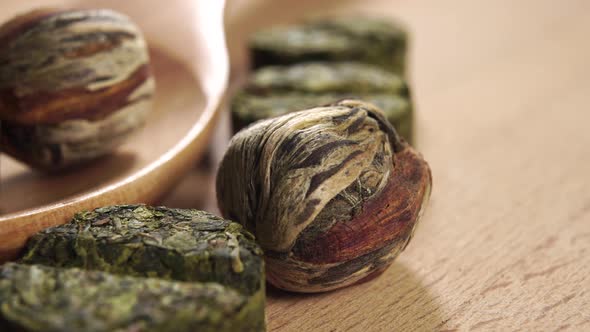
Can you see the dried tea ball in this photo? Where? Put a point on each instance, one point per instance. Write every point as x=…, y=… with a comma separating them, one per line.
x=74, y=85
x=332, y=194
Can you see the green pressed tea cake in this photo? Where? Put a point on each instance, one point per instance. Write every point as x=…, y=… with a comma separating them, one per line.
x=248, y=108
x=326, y=77
x=277, y=90
x=369, y=40
x=143, y=269
x=139, y=240
x=40, y=298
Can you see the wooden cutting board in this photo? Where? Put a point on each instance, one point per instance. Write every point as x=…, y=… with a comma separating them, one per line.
x=502, y=90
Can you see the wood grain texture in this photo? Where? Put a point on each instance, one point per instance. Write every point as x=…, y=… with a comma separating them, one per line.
x=502, y=117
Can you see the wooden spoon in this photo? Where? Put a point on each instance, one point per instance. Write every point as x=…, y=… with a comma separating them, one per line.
x=190, y=62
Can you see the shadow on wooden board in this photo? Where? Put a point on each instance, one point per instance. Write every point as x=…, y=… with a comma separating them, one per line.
x=399, y=301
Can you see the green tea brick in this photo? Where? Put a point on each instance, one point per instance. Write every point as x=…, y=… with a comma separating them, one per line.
x=276, y=90
x=139, y=240
x=41, y=298
x=369, y=40
x=326, y=77
x=248, y=108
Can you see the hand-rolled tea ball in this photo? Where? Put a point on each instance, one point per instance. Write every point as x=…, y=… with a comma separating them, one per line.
x=39, y=298
x=74, y=85
x=363, y=39
x=139, y=240
x=332, y=194
x=276, y=90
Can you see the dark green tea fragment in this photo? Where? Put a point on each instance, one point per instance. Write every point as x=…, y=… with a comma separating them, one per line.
x=362, y=39
x=326, y=77
x=40, y=298
x=248, y=108
x=276, y=90
x=139, y=240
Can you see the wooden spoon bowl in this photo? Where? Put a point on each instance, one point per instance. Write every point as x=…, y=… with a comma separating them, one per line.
x=190, y=65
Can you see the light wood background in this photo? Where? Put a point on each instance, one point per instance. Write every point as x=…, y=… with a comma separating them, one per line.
x=502, y=90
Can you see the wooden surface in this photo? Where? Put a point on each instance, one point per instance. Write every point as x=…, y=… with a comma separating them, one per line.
x=190, y=67
x=503, y=113
x=502, y=90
